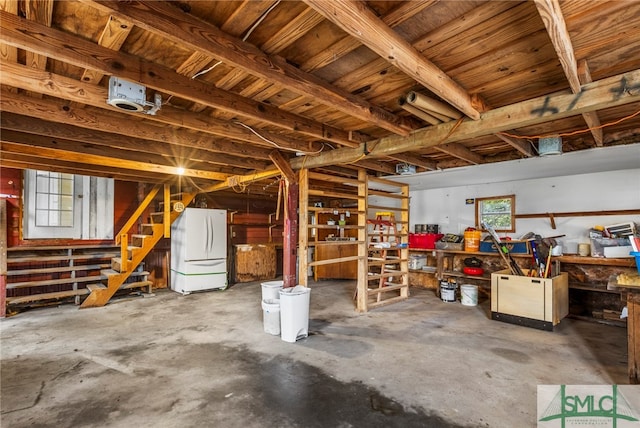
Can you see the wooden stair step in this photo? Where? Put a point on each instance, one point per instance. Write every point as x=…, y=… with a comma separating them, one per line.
x=58, y=281
x=109, y=272
x=47, y=296
x=93, y=287
x=138, y=284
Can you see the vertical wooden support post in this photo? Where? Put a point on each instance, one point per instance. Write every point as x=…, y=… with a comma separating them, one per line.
x=633, y=335
x=404, y=238
x=363, y=250
x=303, y=226
x=124, y=252
x=290, y=241
x=3, y=257
x=166, y=218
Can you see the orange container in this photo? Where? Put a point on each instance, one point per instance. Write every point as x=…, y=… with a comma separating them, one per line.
x=472, y=240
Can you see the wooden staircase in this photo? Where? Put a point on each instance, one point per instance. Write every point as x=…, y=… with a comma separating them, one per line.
x=135, y=247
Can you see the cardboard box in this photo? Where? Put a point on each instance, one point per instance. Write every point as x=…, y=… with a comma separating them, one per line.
x=532, y=302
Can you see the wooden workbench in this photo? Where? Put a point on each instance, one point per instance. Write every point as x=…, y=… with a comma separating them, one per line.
x=633, y=327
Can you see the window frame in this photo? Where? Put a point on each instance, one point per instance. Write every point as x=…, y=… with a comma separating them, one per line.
x=479, y=215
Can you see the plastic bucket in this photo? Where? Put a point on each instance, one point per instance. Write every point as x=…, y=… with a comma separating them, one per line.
x=469, y=294
x=472, y=240
x=448, y=292
x=294, y=313
x=270, y=290
x=271, y=316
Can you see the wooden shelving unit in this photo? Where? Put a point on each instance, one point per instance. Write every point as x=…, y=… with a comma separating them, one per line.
x=362, y=198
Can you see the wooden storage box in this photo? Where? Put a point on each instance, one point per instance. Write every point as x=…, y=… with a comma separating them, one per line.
x=532, y=302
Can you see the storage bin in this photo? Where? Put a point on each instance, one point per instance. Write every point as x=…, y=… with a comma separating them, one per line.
x=533, y=302
x=518, y=247
x=424, y=240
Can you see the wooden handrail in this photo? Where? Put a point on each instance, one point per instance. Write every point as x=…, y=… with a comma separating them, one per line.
x=134, y=217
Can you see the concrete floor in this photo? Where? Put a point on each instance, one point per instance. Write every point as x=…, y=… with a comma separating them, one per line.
x=203, y=360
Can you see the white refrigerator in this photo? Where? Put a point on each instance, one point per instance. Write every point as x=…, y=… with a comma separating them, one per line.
x=199, y=250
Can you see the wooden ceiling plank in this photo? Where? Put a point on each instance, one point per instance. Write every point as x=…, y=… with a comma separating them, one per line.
x=519, y=144
x=113, y=37
x=31, y=36
x=51, y=130
x=610, y=92
x=170, y=22
x=358, y=20
x=347, y=44
x=591, y=118
x=459, y=151
x=553, y=19
x=40, y=11
x=7, y=52
x=62, y=87
x=65, y=155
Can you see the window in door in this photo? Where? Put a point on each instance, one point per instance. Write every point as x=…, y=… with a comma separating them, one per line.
x=497, y=212
x=67, y=206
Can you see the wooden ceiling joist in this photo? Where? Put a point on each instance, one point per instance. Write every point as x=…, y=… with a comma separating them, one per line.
x=90, y=159
x=604, y=93
x=27, y=35
x=170, y=22
x=360, y=22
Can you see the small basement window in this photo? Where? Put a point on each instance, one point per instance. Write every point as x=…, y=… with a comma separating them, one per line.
x=498, y=212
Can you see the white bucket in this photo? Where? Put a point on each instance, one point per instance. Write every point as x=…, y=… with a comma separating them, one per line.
x=270, y=290
x=271, y=316
x=469, y=294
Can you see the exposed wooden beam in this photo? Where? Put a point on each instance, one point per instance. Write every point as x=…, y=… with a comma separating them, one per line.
x=170, y=22
x=105, y=142
x=415, y=160
x=82, y=53
x=19, y=76
x=553, y=19
x=614, y=91
x=591, y=118
x=92, y=118
x=519, y=144
x=192, y=163
x=22, y=161
x=551, y=15
x=84, y=158
x=461, y=152
x=283, y=165
x=360, y=22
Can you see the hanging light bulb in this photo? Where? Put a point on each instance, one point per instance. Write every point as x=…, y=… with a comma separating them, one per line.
x=180, y=170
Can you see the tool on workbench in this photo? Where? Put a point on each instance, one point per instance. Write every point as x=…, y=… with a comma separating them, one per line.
x=503, y=250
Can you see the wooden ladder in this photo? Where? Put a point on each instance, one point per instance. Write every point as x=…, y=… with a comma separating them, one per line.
x=384, y=230
x=135, y=247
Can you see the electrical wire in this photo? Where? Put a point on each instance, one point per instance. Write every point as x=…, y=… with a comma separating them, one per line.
x=246, y=36
x=276, y=144
x=568, y=134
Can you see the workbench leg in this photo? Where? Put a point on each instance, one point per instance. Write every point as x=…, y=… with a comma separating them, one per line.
x=633, y=335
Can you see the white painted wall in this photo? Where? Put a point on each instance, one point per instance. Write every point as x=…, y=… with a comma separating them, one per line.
x=615, y=190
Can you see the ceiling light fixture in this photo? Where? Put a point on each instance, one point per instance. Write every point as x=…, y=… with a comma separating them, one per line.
x=131, y=97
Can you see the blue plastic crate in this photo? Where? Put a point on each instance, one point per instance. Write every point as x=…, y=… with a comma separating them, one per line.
x=636, y=254
x=516, y=247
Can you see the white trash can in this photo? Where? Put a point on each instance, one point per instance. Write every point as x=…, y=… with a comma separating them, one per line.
x=271, y=316
x=294, y=313
x=270, y=289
